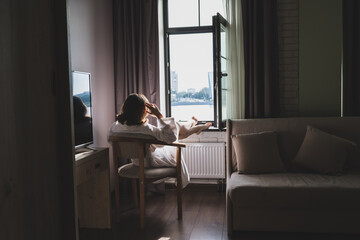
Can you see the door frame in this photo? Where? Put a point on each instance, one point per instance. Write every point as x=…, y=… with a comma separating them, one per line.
x=66, y=152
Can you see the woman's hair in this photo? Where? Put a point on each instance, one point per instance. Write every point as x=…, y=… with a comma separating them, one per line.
x=133, y=110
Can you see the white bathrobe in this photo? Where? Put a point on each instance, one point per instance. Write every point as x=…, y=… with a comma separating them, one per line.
x=157, y=155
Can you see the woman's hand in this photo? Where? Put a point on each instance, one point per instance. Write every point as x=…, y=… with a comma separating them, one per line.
x=152, y=109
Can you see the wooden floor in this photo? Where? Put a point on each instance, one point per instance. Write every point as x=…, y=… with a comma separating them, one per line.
x=203, y=218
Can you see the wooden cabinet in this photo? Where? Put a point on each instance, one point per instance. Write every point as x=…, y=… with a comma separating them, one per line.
x=93, y=188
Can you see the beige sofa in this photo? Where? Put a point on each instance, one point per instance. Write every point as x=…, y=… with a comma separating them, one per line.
x=292, y=199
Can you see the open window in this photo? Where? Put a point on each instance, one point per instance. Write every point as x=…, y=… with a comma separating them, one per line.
x=195, y=57
x=220, y=70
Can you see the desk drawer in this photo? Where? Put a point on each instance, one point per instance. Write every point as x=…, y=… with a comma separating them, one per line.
x=91, y=168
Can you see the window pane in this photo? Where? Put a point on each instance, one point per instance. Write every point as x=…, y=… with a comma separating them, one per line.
x=224, y=89
x=209, y=8
x=221, y=63
x=183, y=13
x=223, y=41
x=224, y=96
x=191, y=82
x=224, y=62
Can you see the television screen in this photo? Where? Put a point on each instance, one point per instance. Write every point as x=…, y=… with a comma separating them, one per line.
x=82, y=108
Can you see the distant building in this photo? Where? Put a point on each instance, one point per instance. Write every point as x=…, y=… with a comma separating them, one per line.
x=174, y=82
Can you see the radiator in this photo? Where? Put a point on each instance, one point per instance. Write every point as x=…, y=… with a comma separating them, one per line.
x=205, y=160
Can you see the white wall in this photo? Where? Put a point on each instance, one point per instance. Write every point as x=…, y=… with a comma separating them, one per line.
x=91, y=46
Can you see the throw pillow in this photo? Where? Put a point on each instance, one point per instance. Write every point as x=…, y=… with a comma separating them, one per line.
x=322, y=152
x=257, y=153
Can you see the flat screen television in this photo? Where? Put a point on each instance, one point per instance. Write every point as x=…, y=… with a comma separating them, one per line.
x=83, y=126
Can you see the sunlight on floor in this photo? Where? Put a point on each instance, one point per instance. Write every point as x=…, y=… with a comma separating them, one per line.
x=164, y=238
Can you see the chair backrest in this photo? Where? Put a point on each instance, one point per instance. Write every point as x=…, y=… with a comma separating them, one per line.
x=126, y=145
x=129, y=145
x=126, y=150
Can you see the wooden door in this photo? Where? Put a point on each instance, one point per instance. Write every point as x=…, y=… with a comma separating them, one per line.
x=36, y=166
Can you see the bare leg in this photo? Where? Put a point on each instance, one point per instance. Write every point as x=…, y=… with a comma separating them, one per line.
x=187, y=129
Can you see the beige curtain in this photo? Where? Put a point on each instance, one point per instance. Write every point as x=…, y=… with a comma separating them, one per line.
x=236, y=74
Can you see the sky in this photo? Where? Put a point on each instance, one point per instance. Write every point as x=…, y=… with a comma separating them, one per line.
x=191, y=55
x=81, y=82
x=191, y=58
x=184, y=13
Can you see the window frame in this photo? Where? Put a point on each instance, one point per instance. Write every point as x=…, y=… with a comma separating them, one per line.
x=218, y=20
x=188, y=30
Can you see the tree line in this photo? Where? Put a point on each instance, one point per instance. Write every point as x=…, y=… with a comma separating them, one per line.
x=203, y=94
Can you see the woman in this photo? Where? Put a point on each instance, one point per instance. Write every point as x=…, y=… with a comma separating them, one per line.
x=133, y=119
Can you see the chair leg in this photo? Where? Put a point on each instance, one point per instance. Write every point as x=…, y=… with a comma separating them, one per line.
x=142, y=185
x=116, y=181
x=179, y=183
x=117, y=199
x=134, y=190
x=179, y=198
x=142, y=204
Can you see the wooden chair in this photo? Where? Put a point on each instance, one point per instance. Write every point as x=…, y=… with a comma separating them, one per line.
x=134, y=146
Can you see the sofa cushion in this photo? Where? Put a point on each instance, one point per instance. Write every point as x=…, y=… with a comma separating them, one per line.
x=295, y=190
x=257, y=153
x=291, y=133
x=322, y=152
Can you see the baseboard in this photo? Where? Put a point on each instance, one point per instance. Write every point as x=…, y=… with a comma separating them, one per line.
x=199, y=185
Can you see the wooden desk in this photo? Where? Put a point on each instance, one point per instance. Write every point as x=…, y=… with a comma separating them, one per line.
x=93, y=188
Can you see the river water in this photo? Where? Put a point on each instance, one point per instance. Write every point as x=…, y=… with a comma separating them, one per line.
x=185, y=112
